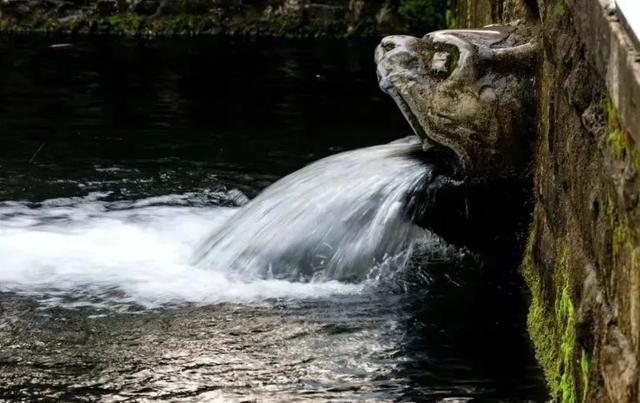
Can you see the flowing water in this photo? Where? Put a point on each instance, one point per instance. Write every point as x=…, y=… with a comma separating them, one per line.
x=144, y=256
x=336, y=219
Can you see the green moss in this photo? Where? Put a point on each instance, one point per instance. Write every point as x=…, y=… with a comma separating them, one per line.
x=558, y=9
x=616, y=139
x=624, y=242
x=585, y=368
x=552, y=325
x=611, y=209
x=619, y=139
x=565, y=321
x=127, y=23
x=620, y=240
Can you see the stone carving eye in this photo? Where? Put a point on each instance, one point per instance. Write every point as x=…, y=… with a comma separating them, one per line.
x=444, y=59
x=440, y=63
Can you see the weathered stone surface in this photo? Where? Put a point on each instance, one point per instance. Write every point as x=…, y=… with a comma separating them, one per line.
x=471, y=91
x=582, y=263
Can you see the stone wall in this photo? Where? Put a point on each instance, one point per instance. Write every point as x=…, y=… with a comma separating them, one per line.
x=188, y=17
x=582, y=262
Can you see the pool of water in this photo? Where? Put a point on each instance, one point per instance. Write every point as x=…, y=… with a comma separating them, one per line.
x=118, y=157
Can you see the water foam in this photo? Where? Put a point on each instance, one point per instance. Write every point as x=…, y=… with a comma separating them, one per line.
x=330, y=228
x=87, y=252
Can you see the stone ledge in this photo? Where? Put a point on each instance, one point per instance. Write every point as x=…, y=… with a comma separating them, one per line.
x=630, y=18
x=616, y=58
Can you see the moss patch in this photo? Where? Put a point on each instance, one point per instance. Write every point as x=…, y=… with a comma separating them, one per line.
x=620, y=139
x=128, y=23
x=558, y=9
x=552, y=325
x=585, y=368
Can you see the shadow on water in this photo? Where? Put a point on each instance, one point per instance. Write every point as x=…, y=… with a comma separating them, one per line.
x=121, y=125
x=465, y=333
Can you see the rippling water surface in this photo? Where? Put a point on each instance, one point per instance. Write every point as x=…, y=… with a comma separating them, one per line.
x=119, y=158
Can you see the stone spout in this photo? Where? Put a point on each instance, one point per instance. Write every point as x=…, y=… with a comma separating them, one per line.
x=468, y=91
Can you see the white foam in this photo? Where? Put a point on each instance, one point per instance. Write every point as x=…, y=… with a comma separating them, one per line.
x=346, y=217
x=81, y=251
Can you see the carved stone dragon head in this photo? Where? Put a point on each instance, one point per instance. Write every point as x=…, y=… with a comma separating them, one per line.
x=469, y=91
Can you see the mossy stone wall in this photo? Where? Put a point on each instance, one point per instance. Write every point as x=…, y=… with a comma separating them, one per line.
x=582, y=263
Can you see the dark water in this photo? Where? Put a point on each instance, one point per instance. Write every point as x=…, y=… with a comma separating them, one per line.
x=117, y=157
x=242, y=113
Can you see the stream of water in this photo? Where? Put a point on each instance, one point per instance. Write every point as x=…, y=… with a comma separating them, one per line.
x=145, y=256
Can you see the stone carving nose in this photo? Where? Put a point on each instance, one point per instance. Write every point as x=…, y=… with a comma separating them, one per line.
x=390, y=43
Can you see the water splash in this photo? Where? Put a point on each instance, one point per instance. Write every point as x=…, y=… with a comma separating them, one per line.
x=334, y=227
x=88, y=252
x=332, y=220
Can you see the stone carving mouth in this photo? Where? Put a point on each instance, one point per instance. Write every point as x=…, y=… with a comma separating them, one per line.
x=430, y=144
x=409, y=115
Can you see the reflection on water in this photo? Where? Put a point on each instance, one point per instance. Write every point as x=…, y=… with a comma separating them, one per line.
x=354, y=347
x=116, y=157
x=171, y=116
